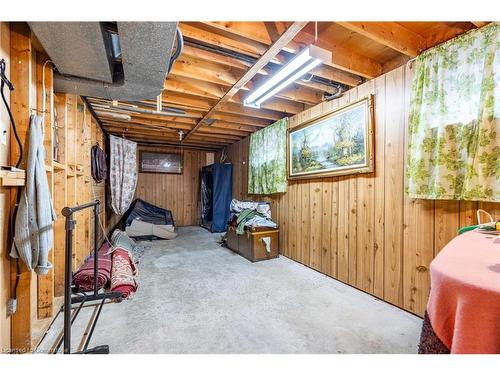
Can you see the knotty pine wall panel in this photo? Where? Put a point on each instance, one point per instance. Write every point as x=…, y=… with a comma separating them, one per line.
x=176, y=192
x=362, y=229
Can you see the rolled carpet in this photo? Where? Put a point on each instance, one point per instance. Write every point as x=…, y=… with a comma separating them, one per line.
x=84, y=277
x=123, y=273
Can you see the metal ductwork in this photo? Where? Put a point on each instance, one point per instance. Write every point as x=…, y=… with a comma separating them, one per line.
x=90, y=61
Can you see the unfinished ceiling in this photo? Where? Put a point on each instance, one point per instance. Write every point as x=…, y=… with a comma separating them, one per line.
x=204, y=92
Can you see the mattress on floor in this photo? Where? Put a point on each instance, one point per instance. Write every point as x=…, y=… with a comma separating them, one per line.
x=138, y=228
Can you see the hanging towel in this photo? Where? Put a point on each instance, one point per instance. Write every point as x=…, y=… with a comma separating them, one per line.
x=35, y=215
x=123, y=173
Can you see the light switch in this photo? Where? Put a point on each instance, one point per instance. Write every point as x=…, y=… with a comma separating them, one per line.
x=4, y=137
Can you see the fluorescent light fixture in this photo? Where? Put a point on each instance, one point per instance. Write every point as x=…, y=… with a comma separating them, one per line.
x=306, y=60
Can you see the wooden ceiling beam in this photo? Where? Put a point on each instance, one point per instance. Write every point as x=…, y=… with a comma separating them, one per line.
x=194, y=87
x=321, y=71
x=192, y=67
x=218, y=58
x=270, y=53
x=479, y=24
x=257, y=31
x=187, y=101
x=205, y=89
x=181, y=87
x=303, y=92
x=296, y=92
x=342, y=58
x=239, y=109
x=160, y=142
x=191, y=30
x=239, y=119
x=171, y=136
x=285, y=106
x=337, y=75
x=242, y=127
x=222, y=128
x=452, y=30
x=390, y=34
x=173, y=143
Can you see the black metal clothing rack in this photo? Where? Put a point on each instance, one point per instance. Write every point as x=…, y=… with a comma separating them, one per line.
x=69, y=299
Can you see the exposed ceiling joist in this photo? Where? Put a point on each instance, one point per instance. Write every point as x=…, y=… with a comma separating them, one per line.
x=282, y=41
x=390, y=34
x=342, y=58
x=217, y=54
x=194, y=31
x=479, y=23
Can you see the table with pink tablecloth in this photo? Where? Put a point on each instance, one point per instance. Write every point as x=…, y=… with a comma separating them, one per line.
x=464, y=303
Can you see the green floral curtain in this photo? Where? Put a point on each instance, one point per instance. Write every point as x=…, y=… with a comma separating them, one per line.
x=454, y=127
x=267, y=159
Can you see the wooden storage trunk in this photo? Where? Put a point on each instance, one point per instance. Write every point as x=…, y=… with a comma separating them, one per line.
x=251, y=245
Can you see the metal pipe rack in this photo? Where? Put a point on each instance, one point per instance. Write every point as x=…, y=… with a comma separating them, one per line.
x=69, y=299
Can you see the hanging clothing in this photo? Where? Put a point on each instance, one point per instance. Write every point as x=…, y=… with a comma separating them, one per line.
x=33, y=237
x=123, y=173
x=98, y=165
x=454, y=122
x=267, y=159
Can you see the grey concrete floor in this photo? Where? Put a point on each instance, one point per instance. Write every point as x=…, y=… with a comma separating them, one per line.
x=196, y=297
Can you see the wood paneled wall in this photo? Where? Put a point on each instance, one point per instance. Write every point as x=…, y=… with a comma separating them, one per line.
x=363, y=230
x=4, y=202
x=38, y=297
x=176, y=192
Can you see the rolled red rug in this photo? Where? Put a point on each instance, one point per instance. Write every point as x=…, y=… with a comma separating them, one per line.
x=84, y=277
x=123, y=273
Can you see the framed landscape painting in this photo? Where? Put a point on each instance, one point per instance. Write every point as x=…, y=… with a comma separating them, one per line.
x=338, y=143
x=160, y=162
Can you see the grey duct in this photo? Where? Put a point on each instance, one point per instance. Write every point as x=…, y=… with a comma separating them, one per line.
x=81, y=52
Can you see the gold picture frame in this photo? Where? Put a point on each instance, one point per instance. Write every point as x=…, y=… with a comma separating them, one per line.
x=338, y=143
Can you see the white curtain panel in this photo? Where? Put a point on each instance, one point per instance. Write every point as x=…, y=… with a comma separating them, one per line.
x=123, y=173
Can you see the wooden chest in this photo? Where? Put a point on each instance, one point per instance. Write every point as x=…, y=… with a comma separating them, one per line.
x=252, y=244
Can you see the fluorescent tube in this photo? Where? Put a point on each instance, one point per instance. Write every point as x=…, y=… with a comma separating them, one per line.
x=289, y=80
x=284, y=72
x=306, y=60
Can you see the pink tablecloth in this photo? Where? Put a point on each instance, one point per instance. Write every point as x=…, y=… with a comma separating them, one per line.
x=464, y=304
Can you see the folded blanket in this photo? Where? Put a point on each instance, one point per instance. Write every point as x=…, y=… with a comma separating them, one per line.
x=123, y=273
x=140, y=228
x=84, y=277
x=121, y=239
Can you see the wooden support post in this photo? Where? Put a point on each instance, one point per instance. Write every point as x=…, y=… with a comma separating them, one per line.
x=60, y=199
x=45, y=95
x=21, y=101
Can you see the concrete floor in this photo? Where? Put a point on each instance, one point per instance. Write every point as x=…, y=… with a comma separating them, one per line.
x=196, y=297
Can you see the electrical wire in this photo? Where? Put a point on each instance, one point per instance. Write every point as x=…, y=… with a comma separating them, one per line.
x=11, y=88
x=44, y=93
x=12, y=305
x=178, y=49
x=105, y=234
